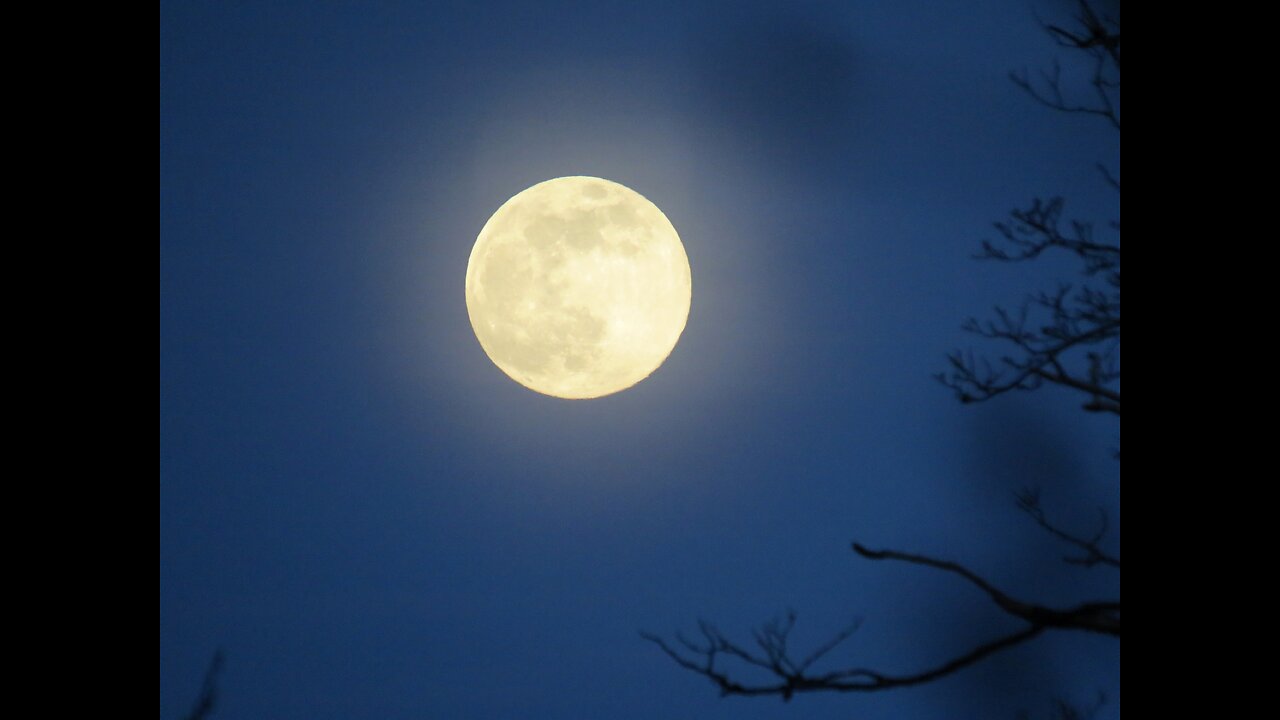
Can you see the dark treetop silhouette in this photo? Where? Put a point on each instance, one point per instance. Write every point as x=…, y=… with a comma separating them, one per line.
x=1068, y=337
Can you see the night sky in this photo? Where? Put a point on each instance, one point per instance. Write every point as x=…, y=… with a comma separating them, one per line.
x=372, y=521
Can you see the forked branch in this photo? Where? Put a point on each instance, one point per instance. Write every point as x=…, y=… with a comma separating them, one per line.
x=712, y=655
x=1029, y=503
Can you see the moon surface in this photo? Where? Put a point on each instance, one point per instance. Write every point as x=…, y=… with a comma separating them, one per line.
x=578, y=287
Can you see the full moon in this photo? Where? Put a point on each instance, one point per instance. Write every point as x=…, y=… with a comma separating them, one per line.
x=578, y=287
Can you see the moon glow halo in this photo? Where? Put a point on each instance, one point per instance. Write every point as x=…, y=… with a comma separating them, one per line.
x=578, y=287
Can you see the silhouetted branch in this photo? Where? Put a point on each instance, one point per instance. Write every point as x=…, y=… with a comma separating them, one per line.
x=793, y=677
x=208, y=699
x=1099, y=38
x=1109, y=177
x=1029, y=502
x=1099, y=617
x=1073, y=326
x=1068, y=338
x=1071, y=337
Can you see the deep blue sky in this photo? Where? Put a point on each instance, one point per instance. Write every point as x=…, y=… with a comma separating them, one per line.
x=374, y=522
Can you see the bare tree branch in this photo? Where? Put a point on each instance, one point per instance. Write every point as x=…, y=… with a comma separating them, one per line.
x=1029, y=502
x=208, y=699
x=702, y=660
x=1097, y=37
x=1076, y=327
x=1069, y=338
x=791, y=677
x=1099, y=617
